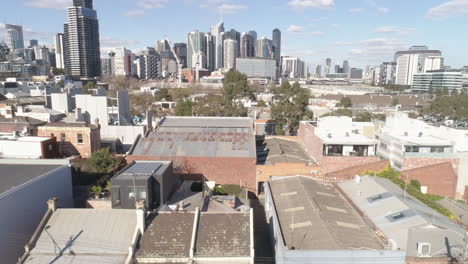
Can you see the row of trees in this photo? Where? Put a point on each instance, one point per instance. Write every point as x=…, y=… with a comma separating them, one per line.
x=454, y=107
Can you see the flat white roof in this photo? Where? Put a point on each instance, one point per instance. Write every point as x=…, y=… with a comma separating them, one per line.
x=352, y=139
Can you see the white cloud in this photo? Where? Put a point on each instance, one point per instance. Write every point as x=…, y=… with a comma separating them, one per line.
x=383, y=10
x=395, y=30
x=150, y=4
x=355, y=10
x=299, y=4
x=374, y=50
x=317, y=33
x=449, y=9
x=133, y=13
x=231, y=9
x=294, y=28
x=52, y=4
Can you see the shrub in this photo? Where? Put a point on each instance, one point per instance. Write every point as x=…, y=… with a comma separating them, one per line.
x=227, y=189
x=103, y=161
x=96, y=189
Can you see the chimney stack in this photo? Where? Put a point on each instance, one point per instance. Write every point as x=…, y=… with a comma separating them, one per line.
x=52, y=204
x=96, y=122
x=141, y=211
x=149, y=119
x=78, y=114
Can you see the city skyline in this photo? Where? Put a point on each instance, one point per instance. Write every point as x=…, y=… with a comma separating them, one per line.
x=312, y=29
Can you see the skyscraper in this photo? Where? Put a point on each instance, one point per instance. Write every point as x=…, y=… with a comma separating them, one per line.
x=162, y=45
x=433, y=63
x=328, y=62
x=247, y=46
x=265, y=48
x=318, y=71
x=407, y=66
x=14, y=36
x=180, y=50
x=234, y=35
x=422, y=51
x=218, y=33
x=33, y=42
x=277, y=46
x=253, y=35
x=210, y=52
x=345, y=66
x=196, y=44
x=293, y=67
x=59, y=54
x=81, y=41
x=230, y=54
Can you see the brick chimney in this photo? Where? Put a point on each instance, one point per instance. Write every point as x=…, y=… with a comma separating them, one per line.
x=52, y=204
x=96, y=123
x=141, y=212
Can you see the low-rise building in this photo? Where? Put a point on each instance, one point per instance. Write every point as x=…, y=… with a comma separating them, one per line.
x=17, y=147
x=437, y=81
x=257, y=67
x=336, y=143
x=151, y=181
x=198, y=237
x=203, y=148
x=73, y=138
x=408, y=224
x=311, y=222
x=25, y=187
x=85, y=236
x=20, y=124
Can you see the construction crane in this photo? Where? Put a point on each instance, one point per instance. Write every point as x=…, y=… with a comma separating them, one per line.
x=179, y=65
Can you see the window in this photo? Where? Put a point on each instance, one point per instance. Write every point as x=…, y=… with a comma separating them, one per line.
x=411, y=149
x=52, y=135
x=397, y=216
x=437, y=149
x=375, y=198
x=62, y=137
x=80, y=138
x=334, y=150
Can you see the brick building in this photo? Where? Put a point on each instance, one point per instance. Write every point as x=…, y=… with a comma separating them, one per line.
x=219, y=149
x=73, y=138
x=336, y=143
x=21, y=124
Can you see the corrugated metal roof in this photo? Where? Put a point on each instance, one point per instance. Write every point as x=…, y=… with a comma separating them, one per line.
x=199, y=137
x=85, y=236
x=381, y=210
x=314, y=216
x=14, y=175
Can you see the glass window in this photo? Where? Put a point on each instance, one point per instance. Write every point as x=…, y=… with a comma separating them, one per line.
x=62, y=137
x=80, y=138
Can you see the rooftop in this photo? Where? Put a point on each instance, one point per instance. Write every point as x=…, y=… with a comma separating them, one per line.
x=85, y=236
x=278, y=150
x=399, y=215
x=143, y=169
x=314, y=216
x=60, y=124
x=18, y=172
x=199, y=137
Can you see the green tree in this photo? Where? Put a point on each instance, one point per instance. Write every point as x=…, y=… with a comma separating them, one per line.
x=261, y=103
x=180, y=93
x=183, y=108
x=103, y=161
x=217, y=105
x=346, y=102
x=340, y=112
x=454, y=107
x=290, y=107
x=363, y=117
x=445, y=91
x=60, y=84
x=235, y=86
x=58, y=71
x=163, y=95
x=413, y=115
x=89, y=87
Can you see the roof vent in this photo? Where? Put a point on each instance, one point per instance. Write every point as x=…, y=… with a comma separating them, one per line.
x=357, y=179
x=406, y=134
x=329, y=135
x=424, y=250
x=347, y=134
x=420, y=134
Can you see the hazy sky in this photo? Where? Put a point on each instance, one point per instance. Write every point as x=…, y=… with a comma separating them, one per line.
x=361, y=31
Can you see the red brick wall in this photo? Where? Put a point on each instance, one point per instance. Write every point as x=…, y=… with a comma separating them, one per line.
x=240, y=171
x=412, y=163
x=70, y=147
x=312, y=143
x=412, y=260
x=349, y=173
x=49, y=148
x=332, y=163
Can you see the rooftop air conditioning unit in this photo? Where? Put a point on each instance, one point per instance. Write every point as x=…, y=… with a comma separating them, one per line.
x=424, y=250
x=420, y=134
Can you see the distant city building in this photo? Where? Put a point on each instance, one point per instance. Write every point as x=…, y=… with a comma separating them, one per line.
x=210, y=52
x=59, y=52
x=318, y=71
x=422, y=53
x=122, y=65
x=433, y=63
x=253, y=35
x=42, y=54
x=106, y=66
x=234, y=35
x=345, y=66
x=338, y=69
x=33, y=42
x=293, y=67
x=180, y=50
x=162, y=45
x=230, y=54
x=355, y=73
x=277, y=47
x=148, y=66
x=407, y=66
x=265, y=48
x=437, y=80
x=328, y=63
x=14, y=36
x=247, y=46
x=257, y=67
x=195, y=45
x=82, y=40
x=218, y=33
x=387, y=73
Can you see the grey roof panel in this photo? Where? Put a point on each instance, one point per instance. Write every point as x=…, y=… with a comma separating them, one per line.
x=14, y=175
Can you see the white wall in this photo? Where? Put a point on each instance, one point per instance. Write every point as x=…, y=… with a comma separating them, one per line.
x=23, y=208
x=20, y=150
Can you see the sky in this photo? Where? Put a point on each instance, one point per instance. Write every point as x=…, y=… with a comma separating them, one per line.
x=365, y=32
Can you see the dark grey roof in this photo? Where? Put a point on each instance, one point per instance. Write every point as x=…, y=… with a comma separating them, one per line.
x=278, y=150
x=143, y=169
x=14, y=175
x=169, y=235
x=314, y=216
x=223, y=235
x=199, y=137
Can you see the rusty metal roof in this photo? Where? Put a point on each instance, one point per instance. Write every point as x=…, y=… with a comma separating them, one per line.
x=199, y=137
